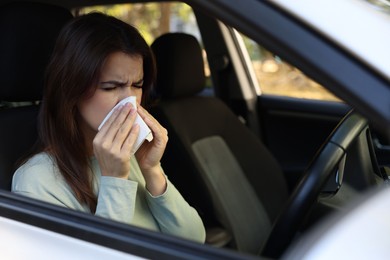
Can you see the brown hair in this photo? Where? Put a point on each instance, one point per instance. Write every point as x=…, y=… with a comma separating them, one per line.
x=80, y=51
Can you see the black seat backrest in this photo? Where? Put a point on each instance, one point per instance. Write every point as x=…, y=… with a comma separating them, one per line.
x=216, y=162
x=28, y=33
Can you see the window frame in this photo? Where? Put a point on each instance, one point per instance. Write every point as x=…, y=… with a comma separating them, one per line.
x=104, y=232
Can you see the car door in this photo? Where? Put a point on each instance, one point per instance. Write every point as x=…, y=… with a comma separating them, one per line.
x=31, y=228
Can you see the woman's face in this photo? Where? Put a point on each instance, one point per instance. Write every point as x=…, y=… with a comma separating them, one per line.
x=121, y=76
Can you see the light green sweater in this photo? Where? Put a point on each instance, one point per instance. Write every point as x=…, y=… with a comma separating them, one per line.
x=122, y=200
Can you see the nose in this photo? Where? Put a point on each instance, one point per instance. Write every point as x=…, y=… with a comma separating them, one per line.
x=125, y=92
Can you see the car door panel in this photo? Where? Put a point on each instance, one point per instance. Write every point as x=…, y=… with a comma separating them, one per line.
x=294, y=129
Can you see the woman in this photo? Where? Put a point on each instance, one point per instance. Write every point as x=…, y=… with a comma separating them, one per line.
x=99, y=60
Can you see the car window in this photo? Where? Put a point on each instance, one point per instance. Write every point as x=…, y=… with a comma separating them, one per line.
x=277, y=77
x=155, y=19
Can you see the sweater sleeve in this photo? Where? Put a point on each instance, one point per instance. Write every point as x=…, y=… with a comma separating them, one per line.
x=116, y=199
x=40, y=181
x=175, y=216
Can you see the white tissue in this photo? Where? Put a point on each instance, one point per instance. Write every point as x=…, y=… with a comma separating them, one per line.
x=144, y=131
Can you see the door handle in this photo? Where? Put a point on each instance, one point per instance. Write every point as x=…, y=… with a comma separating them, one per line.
x=379, y=146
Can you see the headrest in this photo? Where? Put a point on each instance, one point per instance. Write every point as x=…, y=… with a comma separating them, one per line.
x=28, y=33
x=180, y=68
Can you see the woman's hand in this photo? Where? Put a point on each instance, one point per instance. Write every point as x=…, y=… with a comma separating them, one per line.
x=114, y=142
x=150, y=153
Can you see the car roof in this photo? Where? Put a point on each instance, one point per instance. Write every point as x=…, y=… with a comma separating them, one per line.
x=360, y=26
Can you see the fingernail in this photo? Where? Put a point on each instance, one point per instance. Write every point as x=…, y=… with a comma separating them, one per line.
x=132, y=111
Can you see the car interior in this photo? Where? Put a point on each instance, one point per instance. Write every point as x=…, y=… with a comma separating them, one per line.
x=203, y=133
x=229, y=161
x=25, y=52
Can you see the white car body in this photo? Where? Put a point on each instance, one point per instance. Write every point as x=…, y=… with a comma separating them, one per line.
x=359, y=26
x=21, y=241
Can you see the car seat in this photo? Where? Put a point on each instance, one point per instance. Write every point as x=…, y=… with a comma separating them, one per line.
x=217, y=163
x=28, y=32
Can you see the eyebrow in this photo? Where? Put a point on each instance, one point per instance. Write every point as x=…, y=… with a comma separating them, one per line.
x=116, y=82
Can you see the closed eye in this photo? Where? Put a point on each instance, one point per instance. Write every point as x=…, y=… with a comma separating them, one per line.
x=138, y=84
x=111, y=85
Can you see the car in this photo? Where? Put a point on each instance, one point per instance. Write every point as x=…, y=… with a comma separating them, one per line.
x=300, y=95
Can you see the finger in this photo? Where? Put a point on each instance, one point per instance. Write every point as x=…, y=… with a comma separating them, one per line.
x=128, y=147
x=143, y=112
x=102, y=134
x=153, y=124
x=109, y=121
x=125, y=129
x=115, y=122
x=159, y=132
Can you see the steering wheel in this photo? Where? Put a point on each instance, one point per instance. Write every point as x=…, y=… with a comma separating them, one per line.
x=329, y=160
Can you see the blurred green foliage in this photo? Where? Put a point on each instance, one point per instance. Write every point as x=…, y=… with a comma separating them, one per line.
x=151, y=19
